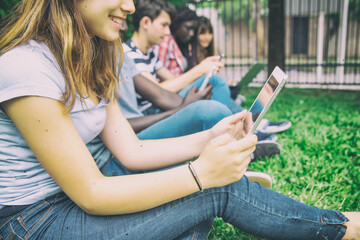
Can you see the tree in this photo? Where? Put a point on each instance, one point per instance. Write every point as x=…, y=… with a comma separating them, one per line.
x=276, y=55
x=6, y=7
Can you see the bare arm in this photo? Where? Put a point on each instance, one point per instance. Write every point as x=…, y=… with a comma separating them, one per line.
x=157, y=95
x=54, y=140
x=166, y=100
x=176, y=83
x=163, y=152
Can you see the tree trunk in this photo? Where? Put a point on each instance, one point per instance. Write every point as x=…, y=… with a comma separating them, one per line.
x=276, y=55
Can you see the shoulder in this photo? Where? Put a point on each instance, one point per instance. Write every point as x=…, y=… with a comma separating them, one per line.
x=30, y=69
x=129, y=46
x=128, y=69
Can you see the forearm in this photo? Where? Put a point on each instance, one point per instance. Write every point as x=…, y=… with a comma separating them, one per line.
x=168, y=100
x=178, y=83
x=148, y=154
x=151, y=91
x=140, y=123
x=133, y=193
x=162, y=153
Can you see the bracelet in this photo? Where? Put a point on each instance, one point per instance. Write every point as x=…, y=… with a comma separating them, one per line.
x=197, y=180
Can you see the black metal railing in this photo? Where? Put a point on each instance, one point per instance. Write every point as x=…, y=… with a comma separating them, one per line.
x=322, y=39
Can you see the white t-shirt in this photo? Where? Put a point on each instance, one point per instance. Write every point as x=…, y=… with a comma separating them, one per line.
x=31, y=70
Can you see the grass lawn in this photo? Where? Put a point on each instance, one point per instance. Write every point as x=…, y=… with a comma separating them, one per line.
x=320, y=159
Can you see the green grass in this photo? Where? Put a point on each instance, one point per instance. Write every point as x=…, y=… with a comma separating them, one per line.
x=320, y=160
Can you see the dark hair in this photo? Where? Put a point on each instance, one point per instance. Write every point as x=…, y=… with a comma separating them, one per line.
x=183, y=14
x=204, y=25
x=151, y=9
x=195, y=53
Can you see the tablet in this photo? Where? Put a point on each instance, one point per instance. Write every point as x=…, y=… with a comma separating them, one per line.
x=208, y=76
x=267, y=95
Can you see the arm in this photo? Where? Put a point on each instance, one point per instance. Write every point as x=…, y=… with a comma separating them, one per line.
x=175, y=84
x=54, y=140
x=166, y=100
x=140, y=123
x=157, y=95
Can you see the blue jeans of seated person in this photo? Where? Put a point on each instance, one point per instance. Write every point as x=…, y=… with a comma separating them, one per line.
x=220, y=90
x=245, y=204
x=235, y=108
x=221, y=93
x=198, y=116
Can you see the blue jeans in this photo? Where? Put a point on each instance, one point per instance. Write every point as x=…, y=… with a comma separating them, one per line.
x=220, y=91
x=245, y=204
x=235, y=108
x=198, y=116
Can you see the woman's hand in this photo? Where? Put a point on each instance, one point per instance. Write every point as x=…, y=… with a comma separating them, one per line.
x=208, y=63
x=224, y=160
x=233, y=125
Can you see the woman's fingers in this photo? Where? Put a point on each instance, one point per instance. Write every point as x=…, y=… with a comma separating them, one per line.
x=242, y=145
x=225, y=159
x=221, y=140
x=248, y=123
x=237, y=117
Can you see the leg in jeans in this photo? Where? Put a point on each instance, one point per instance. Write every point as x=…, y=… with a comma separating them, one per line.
x=220, y=91
x=235, y=108
x=245, y=204
x=199, y=231
x=198, y=116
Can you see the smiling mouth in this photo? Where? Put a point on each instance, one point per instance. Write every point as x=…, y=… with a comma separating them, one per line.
x=116, y=20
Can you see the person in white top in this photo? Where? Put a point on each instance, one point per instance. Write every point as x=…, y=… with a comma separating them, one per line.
x=58, y=76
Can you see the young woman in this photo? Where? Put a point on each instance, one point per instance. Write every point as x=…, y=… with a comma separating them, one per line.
x=203, y=46
x=58, y=76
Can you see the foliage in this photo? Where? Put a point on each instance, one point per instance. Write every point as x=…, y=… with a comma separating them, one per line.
x=178, y=3
x=320, y=160
x=354, y=9
x=6, y=7
x=232, y=11
x=130, y=31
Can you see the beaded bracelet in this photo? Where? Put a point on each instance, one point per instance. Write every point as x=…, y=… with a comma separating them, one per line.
x=197, y=180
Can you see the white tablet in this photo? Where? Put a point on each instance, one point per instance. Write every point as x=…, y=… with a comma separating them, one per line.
x=267, y=95
x=208, y=76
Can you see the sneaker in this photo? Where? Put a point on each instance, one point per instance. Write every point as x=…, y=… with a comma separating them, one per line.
x=273, y=127
x=240, y=99
x=262, y=178
x=234, y=91
x=265, y=149
x=265, y=136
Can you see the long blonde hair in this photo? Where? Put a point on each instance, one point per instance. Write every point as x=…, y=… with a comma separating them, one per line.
x=89, y=65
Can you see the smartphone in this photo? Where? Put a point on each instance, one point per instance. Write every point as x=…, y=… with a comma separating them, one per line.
x=208, y=76
x=267, y=95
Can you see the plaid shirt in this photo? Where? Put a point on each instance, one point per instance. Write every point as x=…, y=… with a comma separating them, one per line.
x=171, y=56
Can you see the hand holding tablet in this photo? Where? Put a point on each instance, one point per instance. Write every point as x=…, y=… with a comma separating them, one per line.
x=208, y=76
x=267, y=95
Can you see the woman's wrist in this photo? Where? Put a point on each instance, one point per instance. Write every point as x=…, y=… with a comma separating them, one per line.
x=195, y=176
x=197, y=168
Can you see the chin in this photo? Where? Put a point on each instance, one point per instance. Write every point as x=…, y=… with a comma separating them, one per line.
x=110, y=37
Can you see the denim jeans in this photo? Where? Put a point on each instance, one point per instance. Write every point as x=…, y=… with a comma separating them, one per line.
x=198, y=116
x=235, y=108
x=245, y=204
x=221, y=93
x=220, y=90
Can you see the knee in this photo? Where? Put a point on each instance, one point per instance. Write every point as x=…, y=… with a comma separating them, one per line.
x=210, y=110
x=218, y=80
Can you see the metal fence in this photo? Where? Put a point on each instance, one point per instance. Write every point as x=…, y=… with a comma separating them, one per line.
x=322, y=39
